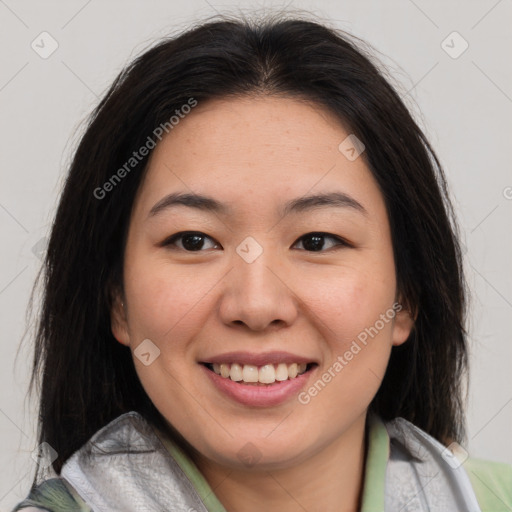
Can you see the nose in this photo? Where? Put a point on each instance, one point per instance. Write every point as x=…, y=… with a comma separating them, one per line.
x=258, y=294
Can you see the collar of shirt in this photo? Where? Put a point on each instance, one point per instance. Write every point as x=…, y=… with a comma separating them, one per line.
x=374, y=477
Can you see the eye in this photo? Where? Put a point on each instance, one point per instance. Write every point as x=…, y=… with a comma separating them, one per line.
x=192, y=241
x=314, y=242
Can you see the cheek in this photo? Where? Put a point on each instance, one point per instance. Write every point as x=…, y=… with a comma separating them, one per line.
x=353, y=311
x=164, y=297
x=349, y=299
x=355, y=318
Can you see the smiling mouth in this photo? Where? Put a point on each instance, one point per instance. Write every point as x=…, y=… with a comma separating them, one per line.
x=265, y=375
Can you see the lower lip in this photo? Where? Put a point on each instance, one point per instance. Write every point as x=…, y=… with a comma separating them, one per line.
x=260, y=396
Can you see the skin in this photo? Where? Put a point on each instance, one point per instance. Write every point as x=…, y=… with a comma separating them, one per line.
x=255, y=154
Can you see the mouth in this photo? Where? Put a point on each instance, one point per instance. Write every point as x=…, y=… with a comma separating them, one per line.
x=265, y=375
x=256, y=379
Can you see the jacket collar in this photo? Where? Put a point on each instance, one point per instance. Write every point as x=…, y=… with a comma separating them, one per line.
x=130, y=466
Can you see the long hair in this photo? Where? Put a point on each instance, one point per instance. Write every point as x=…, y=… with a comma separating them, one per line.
x=85, y=377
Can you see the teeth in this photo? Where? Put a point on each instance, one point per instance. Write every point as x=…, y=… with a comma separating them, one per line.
x=250, y=373
x=282, y=372
x=224, y=370
x=266, y=374
x=235, y=373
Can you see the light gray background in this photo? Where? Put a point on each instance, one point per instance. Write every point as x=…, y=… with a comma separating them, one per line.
x=464, y=104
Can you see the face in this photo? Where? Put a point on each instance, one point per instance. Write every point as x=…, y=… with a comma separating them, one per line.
x=265, y=280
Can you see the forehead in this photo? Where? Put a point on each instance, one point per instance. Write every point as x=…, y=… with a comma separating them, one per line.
x=256, y=150
x=262, y=126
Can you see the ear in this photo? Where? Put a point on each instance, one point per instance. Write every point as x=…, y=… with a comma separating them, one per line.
x=403, y=323
x=118, y=321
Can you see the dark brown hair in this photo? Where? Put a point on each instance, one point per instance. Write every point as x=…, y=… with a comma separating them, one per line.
x=86, y=377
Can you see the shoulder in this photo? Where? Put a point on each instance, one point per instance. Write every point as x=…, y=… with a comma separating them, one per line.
x=492, y=482
x=483, y=485
x=53, y=495
x=142, y=474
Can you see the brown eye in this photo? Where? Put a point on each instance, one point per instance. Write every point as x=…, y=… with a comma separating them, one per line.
x=315, y=242
x=191, y=241
x=194, y=241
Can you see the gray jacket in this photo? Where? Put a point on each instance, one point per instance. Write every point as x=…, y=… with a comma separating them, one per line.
x=125, y=467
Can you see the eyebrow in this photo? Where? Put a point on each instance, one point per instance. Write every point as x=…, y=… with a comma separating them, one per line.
x=300, y=204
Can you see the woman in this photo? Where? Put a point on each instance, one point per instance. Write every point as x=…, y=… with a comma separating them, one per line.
x=253, y=292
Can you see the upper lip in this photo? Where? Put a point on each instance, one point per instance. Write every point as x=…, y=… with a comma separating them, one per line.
x=258, y=359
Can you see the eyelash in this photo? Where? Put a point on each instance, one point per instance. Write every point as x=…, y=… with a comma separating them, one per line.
x=170, y=241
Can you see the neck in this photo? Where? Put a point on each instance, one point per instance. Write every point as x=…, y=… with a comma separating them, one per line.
x=331, y=480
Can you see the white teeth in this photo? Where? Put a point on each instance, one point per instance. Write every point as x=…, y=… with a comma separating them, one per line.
x=250, y=373
x=224, y=370
x=235, y=373
x=282, y=372
x=266, y=374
